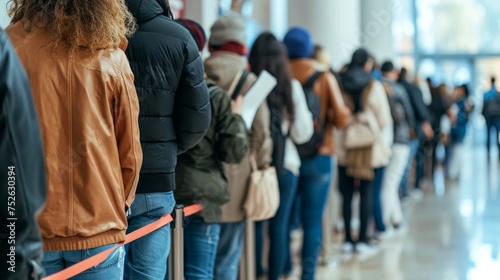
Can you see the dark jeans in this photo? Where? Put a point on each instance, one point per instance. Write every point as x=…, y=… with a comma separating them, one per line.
x=377, y=202
x=492, y=123
x=347, y=186
x=314, y=184
x=200, y=248
x=426, y=148
x=279, y=229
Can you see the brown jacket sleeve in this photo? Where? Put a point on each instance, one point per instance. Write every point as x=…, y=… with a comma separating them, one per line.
x=126, y=120
x=340, y=112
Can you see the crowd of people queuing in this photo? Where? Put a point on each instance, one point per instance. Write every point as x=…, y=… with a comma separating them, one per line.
x=107, y=134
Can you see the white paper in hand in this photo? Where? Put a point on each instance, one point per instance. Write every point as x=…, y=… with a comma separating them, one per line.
x=256, y=95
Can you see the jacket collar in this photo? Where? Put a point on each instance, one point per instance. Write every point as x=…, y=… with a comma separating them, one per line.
x=145, y=10
x=222, y=67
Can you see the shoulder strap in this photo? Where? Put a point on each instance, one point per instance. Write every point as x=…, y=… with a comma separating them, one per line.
x=366, y=93
x=309, y=84
x=241, y=82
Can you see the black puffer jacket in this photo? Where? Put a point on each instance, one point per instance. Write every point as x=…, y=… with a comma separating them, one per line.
x=22, y=171
x=174, y=100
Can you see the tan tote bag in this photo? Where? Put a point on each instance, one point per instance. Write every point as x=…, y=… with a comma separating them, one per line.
x=263, y=197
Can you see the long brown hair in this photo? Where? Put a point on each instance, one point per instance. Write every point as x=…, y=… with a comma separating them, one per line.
x=269, y=54
x=93, y=24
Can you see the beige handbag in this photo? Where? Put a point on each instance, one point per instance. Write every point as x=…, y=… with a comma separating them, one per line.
x=263, y=197
x=361, y=131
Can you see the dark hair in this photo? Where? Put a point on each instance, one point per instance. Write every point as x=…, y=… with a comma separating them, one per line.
x=269, y=54
x=387, y=66
x=403, y=74
x=493, y=80
x=465, y=87
x=359, y=58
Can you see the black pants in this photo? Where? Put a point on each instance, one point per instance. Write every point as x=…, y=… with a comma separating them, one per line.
x=347, y=187
x=492, y=123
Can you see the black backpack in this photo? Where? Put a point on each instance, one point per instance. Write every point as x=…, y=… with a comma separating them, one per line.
x=279, y=139
x=492, y=107
x=311, y=148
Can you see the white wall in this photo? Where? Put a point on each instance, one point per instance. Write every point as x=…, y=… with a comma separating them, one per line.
x=204, y=12
x=376, y=24
x=335, y=24
x=4, y=19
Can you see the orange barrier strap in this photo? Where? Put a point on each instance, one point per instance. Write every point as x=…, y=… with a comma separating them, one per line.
x=96, y=259
x=148, y=229
x=193, y=209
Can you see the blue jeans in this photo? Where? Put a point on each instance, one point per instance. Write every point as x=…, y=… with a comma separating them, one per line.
x=414, y=145
x=229, y=251
x=111, y=268
x=279, y=229
x=314, y=185
x=200, y=248
x=146, y=257
x=377, y=202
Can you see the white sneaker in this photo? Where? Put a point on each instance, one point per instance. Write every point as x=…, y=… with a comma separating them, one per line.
x=365, y=249
x=416, y=194
x=389, y=233
x=347, y=248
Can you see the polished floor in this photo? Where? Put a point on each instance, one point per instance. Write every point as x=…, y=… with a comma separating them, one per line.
x=453, y=232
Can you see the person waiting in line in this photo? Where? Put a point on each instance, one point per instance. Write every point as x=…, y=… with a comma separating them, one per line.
x=174, y=117
x=321, y=55
x=438, y=109
x=358, y=166
x=404, y=120
x=23, y=170
x=491, y=113
x=200, y=177
x=291, y=117
x=227, y=59
x=463, y=107
x=378, y=180
x=419, y=132
x=88, y=110
x=316, y=167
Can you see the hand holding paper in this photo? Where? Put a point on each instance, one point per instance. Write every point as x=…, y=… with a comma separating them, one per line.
x=256, y=95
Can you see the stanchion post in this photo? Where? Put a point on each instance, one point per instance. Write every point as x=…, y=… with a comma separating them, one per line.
x=176, y=259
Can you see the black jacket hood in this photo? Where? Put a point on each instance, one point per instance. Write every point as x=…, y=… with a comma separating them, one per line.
x=355, y=80
x=144, y=10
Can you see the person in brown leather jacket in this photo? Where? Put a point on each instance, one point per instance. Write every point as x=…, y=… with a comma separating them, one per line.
x=88, y=110
x=316, y=172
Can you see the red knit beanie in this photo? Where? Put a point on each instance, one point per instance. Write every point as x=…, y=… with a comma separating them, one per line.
x=196, y=31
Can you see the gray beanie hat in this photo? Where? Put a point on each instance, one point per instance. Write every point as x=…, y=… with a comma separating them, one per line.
x=230, y=27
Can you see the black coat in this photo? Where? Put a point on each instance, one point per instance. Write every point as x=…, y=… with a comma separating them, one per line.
x=419, y=107
x=174, y=100
x=22, y=170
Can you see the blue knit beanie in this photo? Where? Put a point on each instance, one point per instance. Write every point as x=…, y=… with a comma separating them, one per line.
x=298, y=43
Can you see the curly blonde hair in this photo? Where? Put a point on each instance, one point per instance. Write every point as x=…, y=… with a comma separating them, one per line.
x=94, y=24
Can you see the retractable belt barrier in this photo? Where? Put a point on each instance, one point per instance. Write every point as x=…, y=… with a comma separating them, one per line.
x=96, y=259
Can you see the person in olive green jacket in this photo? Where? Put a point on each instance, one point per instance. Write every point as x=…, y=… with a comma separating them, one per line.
x=200, y=175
